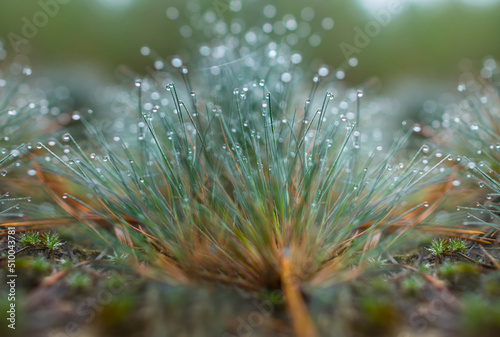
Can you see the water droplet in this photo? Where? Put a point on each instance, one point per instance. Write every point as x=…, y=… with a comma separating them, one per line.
x=269, y=11
x=296, y=58
x=323, y=71
x=286, y=77
x=145, y=51
x=176, y=62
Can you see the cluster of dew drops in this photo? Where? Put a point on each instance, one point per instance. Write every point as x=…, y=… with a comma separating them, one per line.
x=35, y=102
x=290, y=30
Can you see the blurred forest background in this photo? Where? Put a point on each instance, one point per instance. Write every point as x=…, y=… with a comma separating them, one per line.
x=427, y=42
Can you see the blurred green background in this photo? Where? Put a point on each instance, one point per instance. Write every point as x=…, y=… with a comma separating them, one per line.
x=426, y=41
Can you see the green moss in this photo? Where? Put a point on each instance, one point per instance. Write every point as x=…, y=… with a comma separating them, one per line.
x=29, y=240
x=80, y=282
x=41, y=265
x=118, y=258
x=379, y=315
x=51, y=241
x=380, y=285
x=438, y=248
x=460, y=276
x=457, y=246
x=117, y=313
x=490, y=284
x=412, y=285
x=480, y=317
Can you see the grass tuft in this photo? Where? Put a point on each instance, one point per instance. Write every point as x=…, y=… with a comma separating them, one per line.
x=238, y=187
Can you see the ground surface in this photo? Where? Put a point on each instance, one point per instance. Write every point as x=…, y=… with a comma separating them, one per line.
x=73, y=291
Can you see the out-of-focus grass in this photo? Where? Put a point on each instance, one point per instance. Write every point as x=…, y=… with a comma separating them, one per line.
x=424, y=41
